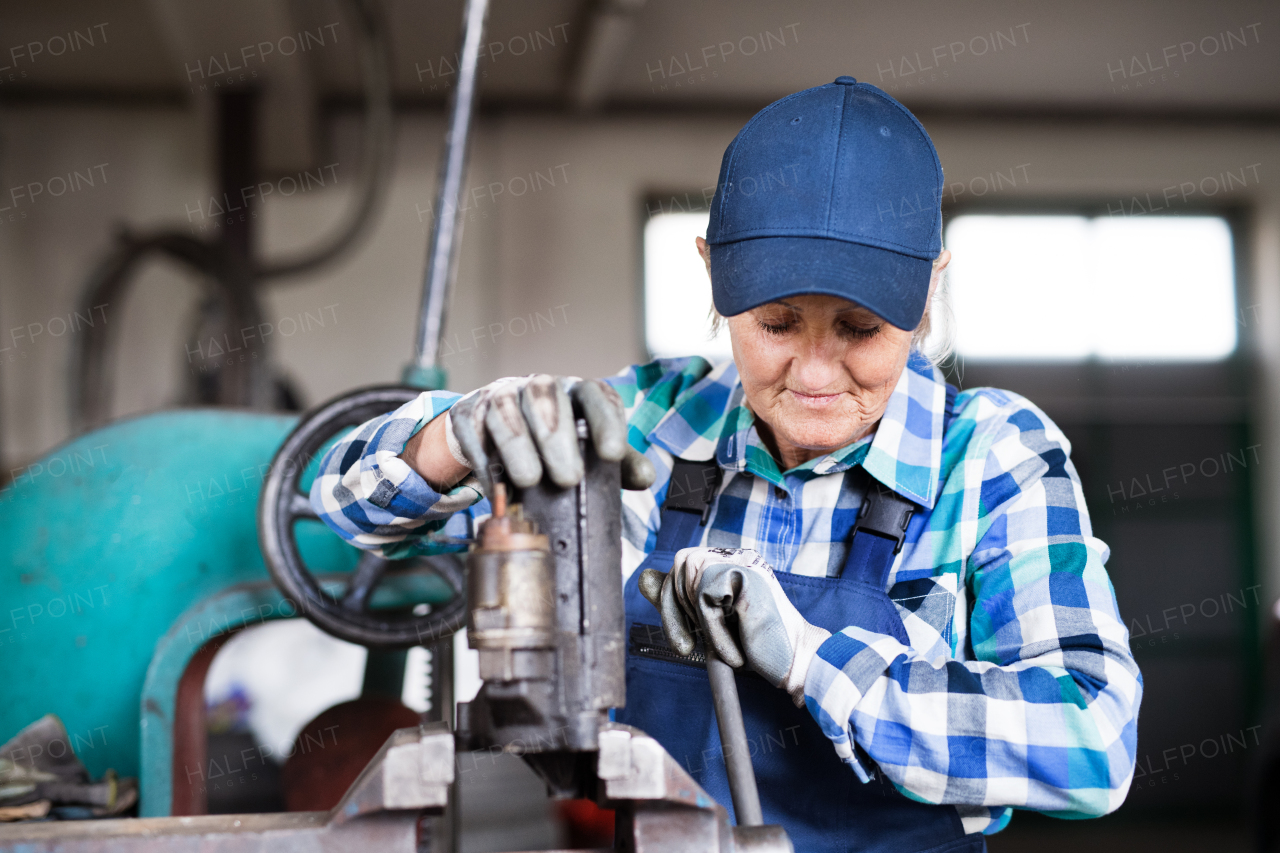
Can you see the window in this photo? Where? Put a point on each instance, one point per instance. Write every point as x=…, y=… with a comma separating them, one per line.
x=677, y=293
x=1070, y=288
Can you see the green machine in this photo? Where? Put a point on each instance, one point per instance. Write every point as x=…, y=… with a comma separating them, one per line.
x=132, y=545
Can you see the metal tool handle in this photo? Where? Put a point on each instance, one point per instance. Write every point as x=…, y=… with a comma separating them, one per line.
x=733, y=741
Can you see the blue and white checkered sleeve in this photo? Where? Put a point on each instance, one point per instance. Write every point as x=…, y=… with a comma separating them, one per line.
x=1045, y=718
x=373, y=499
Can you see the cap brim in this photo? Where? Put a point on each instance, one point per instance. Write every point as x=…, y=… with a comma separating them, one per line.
x=749, y=273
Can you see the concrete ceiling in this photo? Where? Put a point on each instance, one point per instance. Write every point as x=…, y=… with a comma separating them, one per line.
x=1185, y=56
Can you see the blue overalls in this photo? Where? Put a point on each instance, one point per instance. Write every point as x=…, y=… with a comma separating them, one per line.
x=803, y=784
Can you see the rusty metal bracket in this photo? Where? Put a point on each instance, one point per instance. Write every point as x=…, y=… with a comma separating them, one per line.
x=661, y=808
x=395, y=804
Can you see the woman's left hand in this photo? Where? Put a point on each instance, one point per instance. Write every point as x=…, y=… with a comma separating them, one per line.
x=706, y=585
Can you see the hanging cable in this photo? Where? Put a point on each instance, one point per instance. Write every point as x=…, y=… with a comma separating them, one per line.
x=375, y=64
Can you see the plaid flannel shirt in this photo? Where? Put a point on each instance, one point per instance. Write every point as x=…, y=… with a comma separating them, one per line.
x=1017, y=688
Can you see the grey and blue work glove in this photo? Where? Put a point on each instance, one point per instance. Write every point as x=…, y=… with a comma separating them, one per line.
x=525, y=424
x=709, y=588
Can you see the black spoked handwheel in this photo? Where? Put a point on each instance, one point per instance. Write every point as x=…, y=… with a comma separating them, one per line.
x=281, y=504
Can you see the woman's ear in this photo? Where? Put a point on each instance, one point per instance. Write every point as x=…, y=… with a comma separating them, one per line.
x=705, y=251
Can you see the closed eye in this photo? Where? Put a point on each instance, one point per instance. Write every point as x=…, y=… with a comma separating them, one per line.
x=861, y=332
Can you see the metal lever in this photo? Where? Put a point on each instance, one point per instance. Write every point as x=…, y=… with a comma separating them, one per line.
x=733, y=741
x=442, y=259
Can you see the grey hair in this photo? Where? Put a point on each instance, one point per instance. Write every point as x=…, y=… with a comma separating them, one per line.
x=935, y=337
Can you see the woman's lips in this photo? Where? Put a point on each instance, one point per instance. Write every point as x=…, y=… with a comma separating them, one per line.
x=813, y=401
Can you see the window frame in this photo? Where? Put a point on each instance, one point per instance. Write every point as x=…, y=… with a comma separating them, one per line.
x=646, y=210
x=1239, y=216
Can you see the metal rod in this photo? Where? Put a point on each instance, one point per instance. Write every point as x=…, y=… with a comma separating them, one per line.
x=442, y=260
x=443, y=709
x=733, y=742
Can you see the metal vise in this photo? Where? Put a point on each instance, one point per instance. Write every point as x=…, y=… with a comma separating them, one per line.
x=544, y=588
x=544, y=591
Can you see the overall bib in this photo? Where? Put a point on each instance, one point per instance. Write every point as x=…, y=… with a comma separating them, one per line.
x=803, y=784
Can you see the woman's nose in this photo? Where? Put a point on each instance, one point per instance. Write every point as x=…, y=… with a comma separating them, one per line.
x=816, y=367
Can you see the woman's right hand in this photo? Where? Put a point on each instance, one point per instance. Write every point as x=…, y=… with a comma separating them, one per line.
x=524, y=426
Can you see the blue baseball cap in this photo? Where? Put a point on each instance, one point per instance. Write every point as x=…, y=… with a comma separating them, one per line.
x=835, y=190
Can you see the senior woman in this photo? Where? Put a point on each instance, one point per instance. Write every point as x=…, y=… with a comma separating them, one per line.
x=906, y=577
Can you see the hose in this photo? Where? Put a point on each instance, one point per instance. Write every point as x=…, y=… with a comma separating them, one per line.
x=375, y=63
x=245, y=383
x=234, y=282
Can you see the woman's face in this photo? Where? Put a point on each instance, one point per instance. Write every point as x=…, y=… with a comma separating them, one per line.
x=817, y=370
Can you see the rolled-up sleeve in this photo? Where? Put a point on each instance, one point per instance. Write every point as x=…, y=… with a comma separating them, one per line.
x=1043, y=714
x=373, y=499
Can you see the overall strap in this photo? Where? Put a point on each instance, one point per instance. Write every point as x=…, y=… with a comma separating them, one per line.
x=687, y=509
x=881, y=525
x=877, y=535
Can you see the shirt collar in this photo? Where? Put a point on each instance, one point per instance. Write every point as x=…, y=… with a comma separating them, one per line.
x=709, y=420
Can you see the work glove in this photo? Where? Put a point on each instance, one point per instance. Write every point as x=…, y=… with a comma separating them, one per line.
x=711, y=589
x=527, y=422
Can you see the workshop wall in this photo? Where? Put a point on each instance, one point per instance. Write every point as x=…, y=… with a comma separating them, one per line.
x=550, y=271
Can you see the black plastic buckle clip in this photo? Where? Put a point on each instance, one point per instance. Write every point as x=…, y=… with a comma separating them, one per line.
x=693, y=487
x=884, y=513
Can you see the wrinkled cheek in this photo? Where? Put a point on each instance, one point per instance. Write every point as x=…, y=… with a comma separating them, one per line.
x=764, y=401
